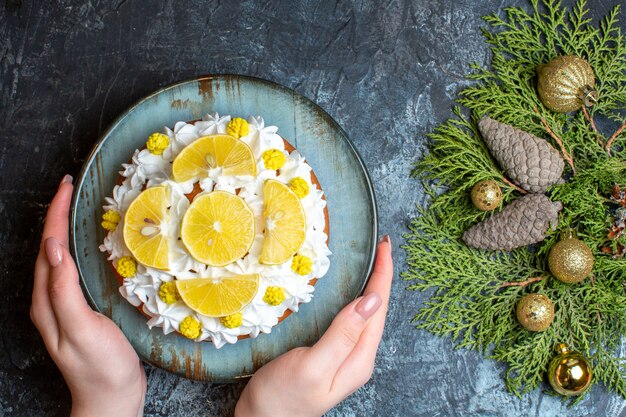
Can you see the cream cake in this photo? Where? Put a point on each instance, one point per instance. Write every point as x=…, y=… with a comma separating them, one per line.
x=217, y=229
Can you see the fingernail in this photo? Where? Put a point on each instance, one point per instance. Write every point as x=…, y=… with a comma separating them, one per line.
x=67, y=179
x=387, y=240
x=368, y=305
x=53, y=251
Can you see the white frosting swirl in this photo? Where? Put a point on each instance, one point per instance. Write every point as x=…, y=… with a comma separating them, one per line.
x=147, y=169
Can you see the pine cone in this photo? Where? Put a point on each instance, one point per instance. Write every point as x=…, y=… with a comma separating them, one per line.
x=530, y=162
x=523, y=222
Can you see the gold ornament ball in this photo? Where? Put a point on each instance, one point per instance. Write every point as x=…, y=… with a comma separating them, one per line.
x=566, y=84
x=486, y=195
x=570, y=260
x=535, y=312
x=569, y=372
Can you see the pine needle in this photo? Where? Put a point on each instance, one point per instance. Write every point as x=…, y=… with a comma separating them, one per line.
x=474, y=292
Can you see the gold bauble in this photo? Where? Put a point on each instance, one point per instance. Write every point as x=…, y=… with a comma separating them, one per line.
x=535, y=312
x=569, y=372
x=486, y=195
x=566, y=83
x=570, y=260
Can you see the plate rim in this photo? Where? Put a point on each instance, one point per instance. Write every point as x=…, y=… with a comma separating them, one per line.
x=78, y=183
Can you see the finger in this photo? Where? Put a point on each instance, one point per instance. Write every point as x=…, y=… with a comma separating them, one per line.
x=40, y=310
x=357, y=368
x=343, y=334
x=56, y=224
x=345, y=331
x=380, y=281
x=66, y=297
x=57, y=218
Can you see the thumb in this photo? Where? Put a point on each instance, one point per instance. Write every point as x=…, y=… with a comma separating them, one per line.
x=66, y=297
x=344, y=332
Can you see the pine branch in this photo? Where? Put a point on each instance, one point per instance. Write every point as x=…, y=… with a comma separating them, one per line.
x=522, y=283
x=592, y=124
x=473, y=293
x=566, y=155
x=609, y=143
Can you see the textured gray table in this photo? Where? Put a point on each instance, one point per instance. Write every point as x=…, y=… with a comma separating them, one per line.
x=387, y=71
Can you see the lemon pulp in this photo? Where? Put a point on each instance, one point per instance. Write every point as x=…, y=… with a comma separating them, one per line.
x=218, y=228
x=145, y=227
x=233, y=156
x=285, y=223
x=218, y=297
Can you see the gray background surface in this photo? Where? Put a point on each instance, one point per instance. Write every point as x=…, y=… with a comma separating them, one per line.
x=387, y=71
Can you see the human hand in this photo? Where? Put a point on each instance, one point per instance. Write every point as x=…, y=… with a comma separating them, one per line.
x=99, y=365
x=307, y=382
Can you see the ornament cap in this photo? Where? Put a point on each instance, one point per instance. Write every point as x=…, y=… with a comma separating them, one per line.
x=588, y=95
x=562, y=348
x=568, y=233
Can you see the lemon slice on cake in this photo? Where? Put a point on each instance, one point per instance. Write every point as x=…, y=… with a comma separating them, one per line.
x=230, y=154
x=145, y=227
x=218, y=297
x=218, y=228
x=285, y=223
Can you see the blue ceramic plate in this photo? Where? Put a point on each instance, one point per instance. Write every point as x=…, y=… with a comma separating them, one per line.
x=341, y=173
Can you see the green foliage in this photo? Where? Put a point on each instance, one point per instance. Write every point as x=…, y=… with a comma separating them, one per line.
x=467, y=299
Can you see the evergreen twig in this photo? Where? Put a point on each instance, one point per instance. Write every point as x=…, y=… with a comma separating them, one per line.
x=558, y=140
x=472, y=293
x=510, y=184
x=609, y=144
x=592, y=123
x=522, y=283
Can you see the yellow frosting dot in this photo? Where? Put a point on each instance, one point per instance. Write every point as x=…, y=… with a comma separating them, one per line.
x=237, y=127
x=301, y=264
x=299, y=186
x=110, y=220
x=157, y=143
x=274, y=296
x=168, y=292
x=190, y=327
x=126, y=266
x=232, y=321
x=273, y=159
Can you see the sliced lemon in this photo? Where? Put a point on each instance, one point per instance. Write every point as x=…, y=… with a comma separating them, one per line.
x=233, y=156
x=145, y=227
x=218, y=228
x=218, y=297
x=285, y=223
